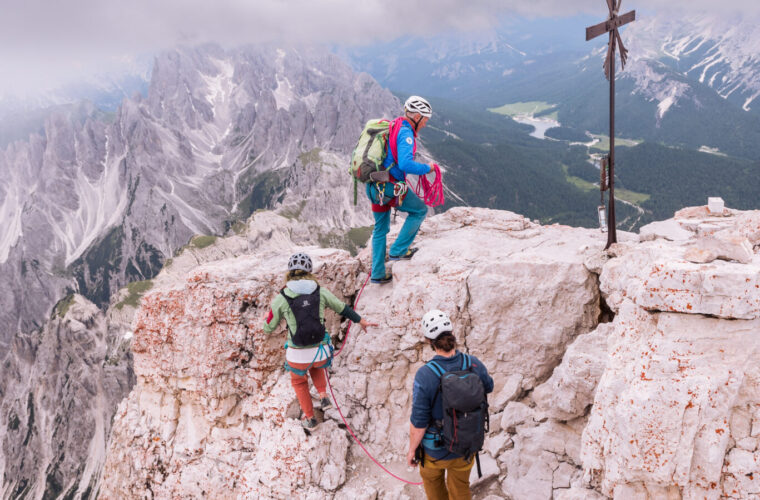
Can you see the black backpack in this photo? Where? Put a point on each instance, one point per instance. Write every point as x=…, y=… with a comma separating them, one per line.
x=310, y=329
x=465, y=408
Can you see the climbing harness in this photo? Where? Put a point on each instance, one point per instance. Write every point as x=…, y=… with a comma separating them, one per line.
x=337, y=406
x=433, y=193
x=320, y=351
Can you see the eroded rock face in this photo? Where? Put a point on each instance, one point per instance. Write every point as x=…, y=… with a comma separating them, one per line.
x=58, y=410
x=212, y=397
x=663, y=401
x=682, y=367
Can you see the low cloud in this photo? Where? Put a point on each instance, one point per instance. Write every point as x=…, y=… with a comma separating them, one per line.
x=43, y=38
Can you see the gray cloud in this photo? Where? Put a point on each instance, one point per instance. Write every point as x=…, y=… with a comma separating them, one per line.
x=42, y=39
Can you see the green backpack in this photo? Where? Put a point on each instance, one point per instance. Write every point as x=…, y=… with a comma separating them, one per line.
x=370, y=152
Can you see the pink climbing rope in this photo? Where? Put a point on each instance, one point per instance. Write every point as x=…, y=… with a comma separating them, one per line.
x=345, y=339
x=359, y=442
x=337, y=407
x=433, y=193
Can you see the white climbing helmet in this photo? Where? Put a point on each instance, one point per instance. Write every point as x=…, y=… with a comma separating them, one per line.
x=300, y=261
x=417, y=104
x=435, y=322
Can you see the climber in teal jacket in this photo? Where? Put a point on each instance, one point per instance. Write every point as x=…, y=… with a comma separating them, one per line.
x=417, y=112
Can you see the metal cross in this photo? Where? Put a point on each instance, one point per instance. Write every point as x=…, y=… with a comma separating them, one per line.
x=611, y=26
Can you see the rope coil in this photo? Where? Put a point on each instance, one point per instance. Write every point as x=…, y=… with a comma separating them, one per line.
x=433, y=193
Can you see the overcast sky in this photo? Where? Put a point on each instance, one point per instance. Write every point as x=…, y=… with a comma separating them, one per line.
x=44, y=41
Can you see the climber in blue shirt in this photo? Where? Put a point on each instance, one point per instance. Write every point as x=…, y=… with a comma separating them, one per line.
x=445, y=474
x=417, y=111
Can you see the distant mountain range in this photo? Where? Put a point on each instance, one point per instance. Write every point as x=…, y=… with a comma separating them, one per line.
x=99, y=199
x=686, y=102
x=22, y=116
x=692, y=80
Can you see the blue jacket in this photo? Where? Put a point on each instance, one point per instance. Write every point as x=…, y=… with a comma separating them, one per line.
x=425, y=409
x=405, y=148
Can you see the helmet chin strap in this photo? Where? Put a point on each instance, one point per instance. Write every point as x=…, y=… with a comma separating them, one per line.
x=415, y=123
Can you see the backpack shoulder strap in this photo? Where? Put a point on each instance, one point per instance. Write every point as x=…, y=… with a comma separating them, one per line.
x=466, y=362
x=395, y=128
x=436, y=368
x=287, y=299
x=438, y=371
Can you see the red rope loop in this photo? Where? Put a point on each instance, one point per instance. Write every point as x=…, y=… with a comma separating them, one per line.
x=431, y=194
x=337, y=407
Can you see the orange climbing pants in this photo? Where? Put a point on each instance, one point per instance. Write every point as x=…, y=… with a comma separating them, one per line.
x=455, y=485
x=301, y=384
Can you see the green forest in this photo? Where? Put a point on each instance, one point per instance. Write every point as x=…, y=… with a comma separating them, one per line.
x=493, y=162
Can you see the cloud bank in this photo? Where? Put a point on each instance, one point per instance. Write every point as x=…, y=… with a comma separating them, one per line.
x=42, y=39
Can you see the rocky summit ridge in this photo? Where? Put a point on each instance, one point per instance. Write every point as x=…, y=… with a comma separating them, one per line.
x=622, y=374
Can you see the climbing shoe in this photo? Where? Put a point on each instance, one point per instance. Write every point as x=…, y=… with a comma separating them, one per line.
x=309, y=423
x=408, y=255
x=386, y=279
x=325, y=403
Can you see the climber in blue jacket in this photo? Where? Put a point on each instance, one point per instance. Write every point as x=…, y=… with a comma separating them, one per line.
x=417, y=111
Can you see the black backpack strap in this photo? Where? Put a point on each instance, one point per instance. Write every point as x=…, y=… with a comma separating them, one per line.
x=289, y=301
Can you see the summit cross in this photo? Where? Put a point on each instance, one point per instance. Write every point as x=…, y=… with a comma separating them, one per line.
x=611, y=26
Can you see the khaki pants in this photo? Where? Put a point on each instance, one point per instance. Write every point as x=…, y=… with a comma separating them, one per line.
x=456, y=485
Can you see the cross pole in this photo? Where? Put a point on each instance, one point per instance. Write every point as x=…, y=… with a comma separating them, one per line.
x=611, y=26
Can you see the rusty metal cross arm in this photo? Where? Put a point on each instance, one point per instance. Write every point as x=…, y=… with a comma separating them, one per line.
x=611, y=24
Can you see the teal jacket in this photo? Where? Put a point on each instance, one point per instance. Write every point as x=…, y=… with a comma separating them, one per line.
x=280, y=308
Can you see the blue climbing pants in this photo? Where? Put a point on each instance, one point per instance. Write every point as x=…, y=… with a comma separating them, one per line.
x=416, y=210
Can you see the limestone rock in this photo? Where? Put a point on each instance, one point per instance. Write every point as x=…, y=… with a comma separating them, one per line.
x=515, y=414
x=699, y=255
x=663, y=407
x=672, y=382
x=570, y=390
x=654, y=276
x=538, y=453
x=701, y=212
x=725, y=246
x=576, y=493
x=748, y=225
x=209, y=380
x=494, y=445
x=509, y=391
x=669, y=229
x=211, y=393
x=488, y=467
